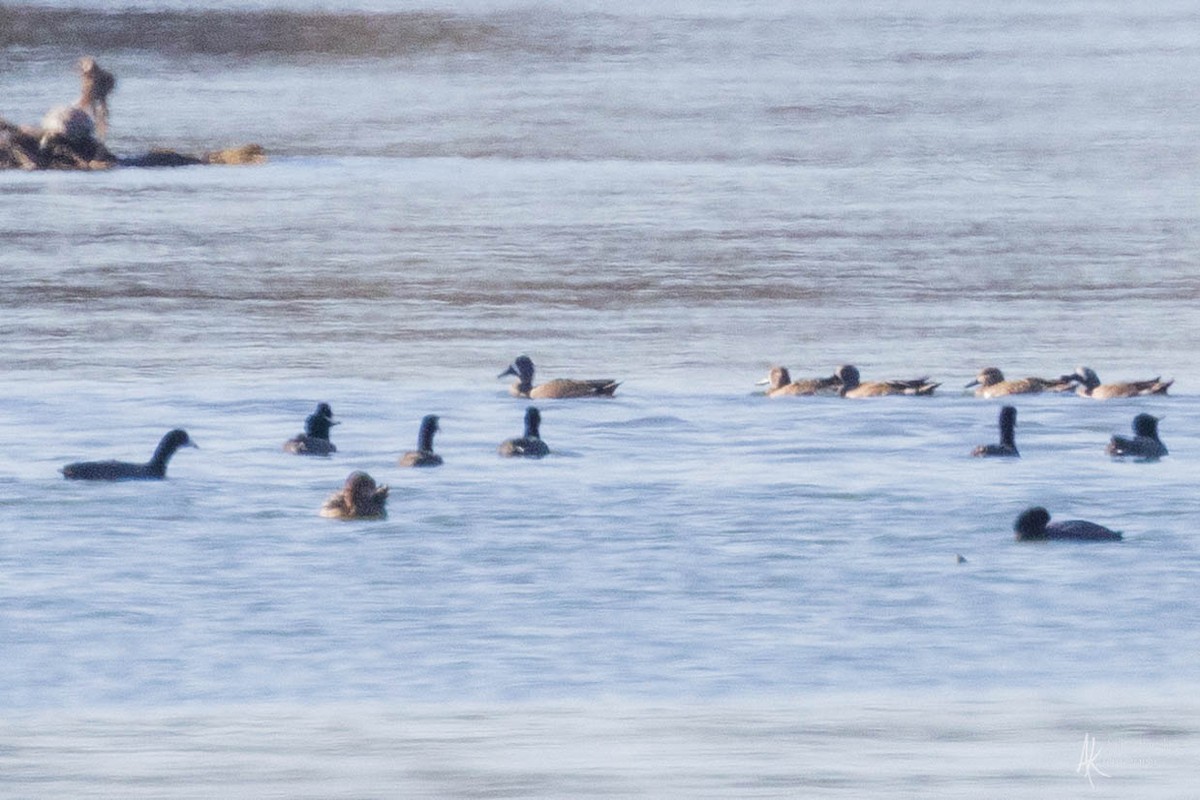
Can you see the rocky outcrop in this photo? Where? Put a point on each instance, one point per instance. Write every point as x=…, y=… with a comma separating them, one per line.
x=66, y=140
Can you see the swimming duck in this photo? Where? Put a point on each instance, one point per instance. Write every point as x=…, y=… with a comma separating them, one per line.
x=530, y=445
x=1091, y=386
x=1034, y=525
x=315, y=439
x=780, y=384
x=153, y=470
x=424, y=456
x=557, y=389
x=853, y=387
x=1145, y=444
x=991, y=383
x=1008, y=444
x=360, y=498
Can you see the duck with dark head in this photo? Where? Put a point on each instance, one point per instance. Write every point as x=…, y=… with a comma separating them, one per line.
x=530, y=445
x=1090, y=386
x=423, y=456
x=1145, y=444
x=1007, y=447
x=852, y=385
x=557, y=389
x=1034, y=525
x=315, y=439
x=153, y=470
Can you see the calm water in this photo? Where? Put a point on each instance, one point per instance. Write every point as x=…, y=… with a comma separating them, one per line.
x=703, y=592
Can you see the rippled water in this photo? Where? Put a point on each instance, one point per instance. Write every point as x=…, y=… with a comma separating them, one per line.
x=703, y=592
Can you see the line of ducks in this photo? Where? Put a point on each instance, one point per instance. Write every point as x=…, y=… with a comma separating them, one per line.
x=990, y=382
x=362, y=498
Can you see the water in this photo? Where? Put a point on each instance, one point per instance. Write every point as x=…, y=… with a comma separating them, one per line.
x=702, y=592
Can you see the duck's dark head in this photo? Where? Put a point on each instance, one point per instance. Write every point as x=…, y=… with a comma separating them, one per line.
x=429, y=426
x=171, y=442
x=1085, y=376
x=1031, y=523
x=1146, y=425
x=533, y=423
x=847, y=375
x=319, y=422
x=522, y=367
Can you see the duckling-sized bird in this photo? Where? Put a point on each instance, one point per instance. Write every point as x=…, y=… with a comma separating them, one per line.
x=530, y=445
x=991, y=383
x=315, y=439
x=1008, y=444
x=360, y=498
x=1090, y=386
x=780, y=384
x=852, y=386
x=557, y=389
x=1145, y=444
x=1034, y=525
x=153, y=470
x=424, y=456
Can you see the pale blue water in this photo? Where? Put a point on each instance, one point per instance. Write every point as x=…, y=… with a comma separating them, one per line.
x=703, y=592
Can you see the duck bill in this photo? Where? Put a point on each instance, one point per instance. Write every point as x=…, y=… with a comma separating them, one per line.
x=512, y=370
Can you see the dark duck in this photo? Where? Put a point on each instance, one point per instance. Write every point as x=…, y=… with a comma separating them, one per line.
x=153, y=470
x=315, y=439
x=530, y=445
x=424, y=456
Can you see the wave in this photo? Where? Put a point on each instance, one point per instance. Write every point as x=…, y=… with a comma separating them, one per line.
x=268, y=32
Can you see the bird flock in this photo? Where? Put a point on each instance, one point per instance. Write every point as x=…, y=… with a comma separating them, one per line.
x=362, y=498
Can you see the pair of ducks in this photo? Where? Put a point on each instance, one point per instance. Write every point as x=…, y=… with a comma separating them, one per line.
x=1144, y=445
x=845, y=382
x=1083, y=381
x=317, y=426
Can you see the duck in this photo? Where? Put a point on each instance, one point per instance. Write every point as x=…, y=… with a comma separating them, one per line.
x=780, y=384
x=852, y=386
x=423, y=456
x=315, y=439
x=360, y=498
x=1090, y=386
x=991, y=383
x=153, y=470
x=530, y=445
x=1008, y=444
x=1034, y=525
x=1145, y=444
x=557, y=389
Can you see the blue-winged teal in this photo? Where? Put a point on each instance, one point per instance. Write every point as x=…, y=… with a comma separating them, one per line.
x=991, y=383
x=1090, y=386
x=153, y=470
x=557, y=389
x=530, y=445
x=423, y=456
x=315, y=439
x=852, y=386
x=1145, y=444
x=780, y=384
x=360, y=498
x=1034, y=525
x=1008, y=442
